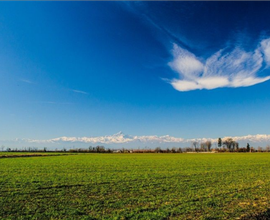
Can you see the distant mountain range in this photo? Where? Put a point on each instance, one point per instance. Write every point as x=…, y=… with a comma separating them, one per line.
x=120, y=139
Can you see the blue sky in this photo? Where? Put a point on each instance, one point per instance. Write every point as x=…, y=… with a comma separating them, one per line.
x=84, y=69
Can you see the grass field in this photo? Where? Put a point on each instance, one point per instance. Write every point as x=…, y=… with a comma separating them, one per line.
x=136, y=186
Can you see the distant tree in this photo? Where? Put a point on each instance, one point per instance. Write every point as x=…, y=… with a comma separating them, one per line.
x=195, y=144
x=219, y=142
x=229, y=142
x=267, y=148
x=208, y=145
x=90, y=149
x=45, y=149
x=158, y=150
x=248, y=147
x=188, y=149
x=236, y=146
x=203, y=146
x=100, y=149
x=179, y=150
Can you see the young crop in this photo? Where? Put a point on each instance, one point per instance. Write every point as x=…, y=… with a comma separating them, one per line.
x=135, y=186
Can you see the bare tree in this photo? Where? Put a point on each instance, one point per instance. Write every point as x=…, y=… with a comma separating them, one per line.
x=203, y=146
x=229, y=142
x=236, y=146
x=208, y=145
x=260, y=149
x=100, y=149
x=158, y=150
x=195, y=144
x=90, y=148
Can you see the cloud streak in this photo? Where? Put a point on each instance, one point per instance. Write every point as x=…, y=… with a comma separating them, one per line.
x=79, y=91
x=26, y=81
x=236, y=68
x=51, y=102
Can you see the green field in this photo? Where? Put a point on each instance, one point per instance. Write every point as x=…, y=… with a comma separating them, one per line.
x=136, y=186
x=26, y=154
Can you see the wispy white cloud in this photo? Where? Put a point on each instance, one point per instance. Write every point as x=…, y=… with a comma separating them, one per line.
x=50, y=102
x=140, y=9
x=26, y=81
x=265, y=45
x=79, y=91
x=121, y=138
x=236, y=68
